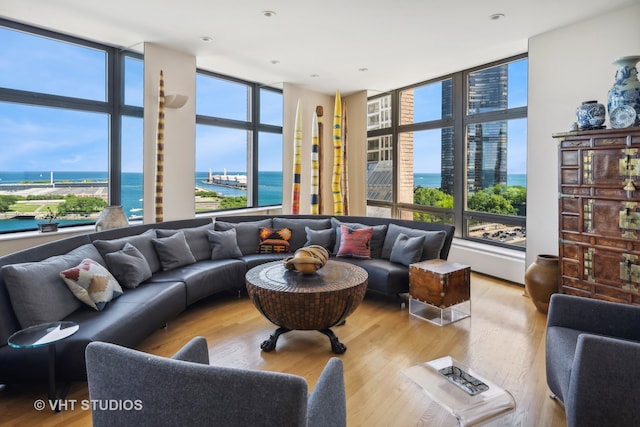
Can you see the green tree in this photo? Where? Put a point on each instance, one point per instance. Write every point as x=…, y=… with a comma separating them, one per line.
x=485, y=201
x=428, y=196
x=6, y=202
x=233, y=202
x=81, y=205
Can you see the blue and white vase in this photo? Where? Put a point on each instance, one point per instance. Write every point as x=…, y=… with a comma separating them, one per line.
x=626, y=90
x=590, y=115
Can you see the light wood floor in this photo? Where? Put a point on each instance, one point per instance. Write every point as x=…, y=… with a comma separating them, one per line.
x=503, y=340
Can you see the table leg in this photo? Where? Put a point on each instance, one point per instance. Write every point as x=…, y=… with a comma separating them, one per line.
x=336, y=346
x=270, y=344
x=52, y=377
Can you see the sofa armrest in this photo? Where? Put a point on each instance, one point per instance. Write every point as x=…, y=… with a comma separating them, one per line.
x=594, y=316
x=195, y=351
x=604, y=382
x=327, y=403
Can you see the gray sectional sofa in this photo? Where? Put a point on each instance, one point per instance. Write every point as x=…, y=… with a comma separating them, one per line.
x=163, y=268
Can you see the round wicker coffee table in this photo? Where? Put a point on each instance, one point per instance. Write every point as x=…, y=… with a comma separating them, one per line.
x=319, y=301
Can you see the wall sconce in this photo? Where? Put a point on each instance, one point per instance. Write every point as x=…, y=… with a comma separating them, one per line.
x=175, y=101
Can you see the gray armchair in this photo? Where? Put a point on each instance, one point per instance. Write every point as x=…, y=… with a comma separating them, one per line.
x=593, y=360
x=155, y=391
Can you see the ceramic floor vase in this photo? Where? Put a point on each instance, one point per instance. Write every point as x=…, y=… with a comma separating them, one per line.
x=541, y=280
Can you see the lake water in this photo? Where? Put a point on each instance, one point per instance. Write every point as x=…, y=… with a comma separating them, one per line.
x=269, y=189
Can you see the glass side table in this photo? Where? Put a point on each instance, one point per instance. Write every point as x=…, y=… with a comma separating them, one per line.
x=470, y=410
x=46, y=334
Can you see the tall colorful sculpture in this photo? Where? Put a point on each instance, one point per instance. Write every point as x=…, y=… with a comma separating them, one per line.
x=345, y=163
x=297, y=161
x=320, y=113
x=160, y=154
x=315, y=206
x=336, y=184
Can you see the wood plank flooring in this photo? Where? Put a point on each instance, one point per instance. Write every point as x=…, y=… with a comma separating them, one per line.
x=503, y=340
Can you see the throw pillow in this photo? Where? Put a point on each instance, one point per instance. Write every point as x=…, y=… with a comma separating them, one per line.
x=173, y=251
x=297, y=227
x=141, y=241
x=355, y=243
x=274, y=241
x=224, y=244
x=246, y=233
x=433, y=241
x=407, y=250
x=128, y=266
x=92, y=284
x=37, y=293
x=197, y=239
x=322, y=238
x=377, y=239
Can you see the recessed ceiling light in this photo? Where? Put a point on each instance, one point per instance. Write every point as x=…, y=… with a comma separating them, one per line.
x=268, y=13
x=275, y=61
x=206, y=39
x=314, y=75
x=496, y=16
x=363, y=69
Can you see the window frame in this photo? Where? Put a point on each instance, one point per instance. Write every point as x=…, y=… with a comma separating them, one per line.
x=459, y=121
x=113, y=106
x=252, y=125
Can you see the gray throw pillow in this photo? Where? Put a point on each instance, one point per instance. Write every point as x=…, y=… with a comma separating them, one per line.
x=247, y=233
x=173, y=251
x=297, y=227
x=128, y=266
x=433, y=241
x=37, y=292
x=224, y=244
x=407, y=250
x=196, y=239
x=377, y=239
x=322, y=238
x=141, y=241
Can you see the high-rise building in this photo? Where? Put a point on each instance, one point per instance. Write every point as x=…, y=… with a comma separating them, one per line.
x=486, y=142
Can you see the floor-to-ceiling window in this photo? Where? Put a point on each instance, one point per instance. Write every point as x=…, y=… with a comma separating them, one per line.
x=58, y=99
x=453, y=150
x=238, y=143
x=71, y=125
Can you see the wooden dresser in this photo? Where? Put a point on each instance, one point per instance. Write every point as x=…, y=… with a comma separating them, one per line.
x=599, y=214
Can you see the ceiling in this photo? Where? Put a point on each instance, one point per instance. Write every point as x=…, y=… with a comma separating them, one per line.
x=350, y=45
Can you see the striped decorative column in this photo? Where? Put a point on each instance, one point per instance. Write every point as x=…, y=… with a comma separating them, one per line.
x=297, y=161
x=336, y=185
x=320, y=113
x=314, y=165
x=345, y=163
x=160, y=154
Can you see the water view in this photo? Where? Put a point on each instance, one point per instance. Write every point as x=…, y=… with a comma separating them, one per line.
x=48, y=184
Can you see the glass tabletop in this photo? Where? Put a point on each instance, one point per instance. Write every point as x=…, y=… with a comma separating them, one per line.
x=475, y=407
x=41, y=335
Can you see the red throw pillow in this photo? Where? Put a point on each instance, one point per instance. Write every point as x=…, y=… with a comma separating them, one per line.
x=355, y=243
x=274, y=241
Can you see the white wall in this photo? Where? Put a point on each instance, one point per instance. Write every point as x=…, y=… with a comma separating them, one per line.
x=566, y=67
x=179, y=71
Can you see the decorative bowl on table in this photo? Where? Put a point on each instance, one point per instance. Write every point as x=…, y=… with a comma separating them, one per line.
x=307, y=260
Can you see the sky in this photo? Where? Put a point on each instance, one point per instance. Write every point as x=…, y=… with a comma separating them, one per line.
x=43, y=139
x=38, y=138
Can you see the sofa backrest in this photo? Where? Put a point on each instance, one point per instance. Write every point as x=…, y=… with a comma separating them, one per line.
x=420, y=225
x=8, y=321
